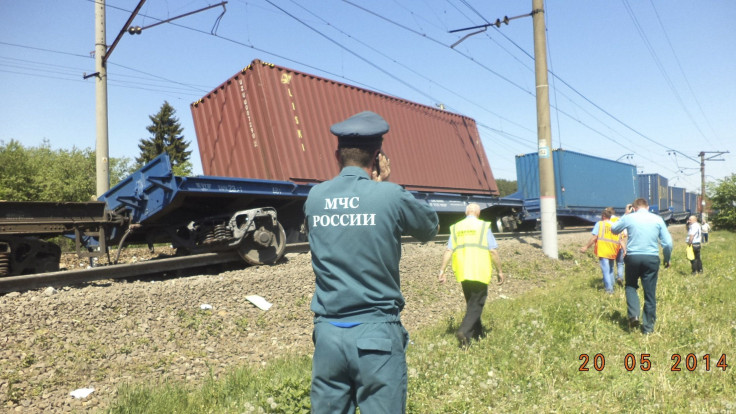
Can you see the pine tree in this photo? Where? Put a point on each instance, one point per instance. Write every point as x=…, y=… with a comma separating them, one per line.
x=165, y=136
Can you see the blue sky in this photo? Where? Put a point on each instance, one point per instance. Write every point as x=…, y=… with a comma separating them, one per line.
x=651, y=83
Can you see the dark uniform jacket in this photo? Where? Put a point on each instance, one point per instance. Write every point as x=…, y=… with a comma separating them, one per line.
x=355, y=228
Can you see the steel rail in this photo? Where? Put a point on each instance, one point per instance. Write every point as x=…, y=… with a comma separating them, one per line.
x=169, y=264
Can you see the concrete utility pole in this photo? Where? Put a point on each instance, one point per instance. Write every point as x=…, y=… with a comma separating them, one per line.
x=102, y=54
x=547, y=197
x=102, y=151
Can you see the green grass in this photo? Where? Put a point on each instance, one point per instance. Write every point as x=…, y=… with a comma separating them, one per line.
x=531, y=360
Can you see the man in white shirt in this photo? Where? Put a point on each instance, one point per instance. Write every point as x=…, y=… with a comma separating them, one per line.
x=694, y=235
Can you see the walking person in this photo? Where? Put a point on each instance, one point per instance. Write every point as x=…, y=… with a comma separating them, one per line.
x=647, y=231
x=472, y=248
x=621, y=251
x=704, y=229
x=607, y=246
x=355, y=224
x=694, y=238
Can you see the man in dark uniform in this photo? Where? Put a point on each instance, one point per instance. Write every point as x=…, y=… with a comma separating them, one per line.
x=355, y=223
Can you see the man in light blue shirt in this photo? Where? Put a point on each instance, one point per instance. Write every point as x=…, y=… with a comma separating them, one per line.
x=646, y=232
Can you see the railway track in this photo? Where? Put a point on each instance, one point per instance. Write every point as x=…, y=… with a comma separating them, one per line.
x=182, y=263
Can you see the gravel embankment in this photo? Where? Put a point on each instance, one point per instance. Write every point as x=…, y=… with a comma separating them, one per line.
x=102, y=335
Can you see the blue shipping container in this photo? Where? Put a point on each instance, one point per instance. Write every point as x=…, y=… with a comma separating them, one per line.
x=581, y=181
x=691, y=205
x=653, y=188
x=677, y=199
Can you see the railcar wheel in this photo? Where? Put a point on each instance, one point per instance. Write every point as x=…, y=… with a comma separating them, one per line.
x=266, y=245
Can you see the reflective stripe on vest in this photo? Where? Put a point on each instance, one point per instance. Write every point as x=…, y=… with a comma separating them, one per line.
x=607, y=244
x=471, y=259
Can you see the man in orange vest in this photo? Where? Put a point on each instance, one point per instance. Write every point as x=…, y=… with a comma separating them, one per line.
x=471, y=246
x=607, y=246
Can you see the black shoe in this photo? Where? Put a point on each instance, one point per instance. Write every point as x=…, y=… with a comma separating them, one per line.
x=620, y=282
x=464, y=342
x=633, y=322
x=479, y=336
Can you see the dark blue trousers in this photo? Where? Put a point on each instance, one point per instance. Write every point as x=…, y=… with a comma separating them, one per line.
x=363, y=366
x=645, y=268
x=475, y=298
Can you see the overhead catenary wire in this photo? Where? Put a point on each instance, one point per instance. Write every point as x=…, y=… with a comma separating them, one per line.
x=330, y=70
x=398, y=25
x=519, y=86
x=556, y=77
x=682, y=71
x=660, y=66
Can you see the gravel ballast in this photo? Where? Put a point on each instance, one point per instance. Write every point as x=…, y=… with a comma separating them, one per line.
x=105, y=334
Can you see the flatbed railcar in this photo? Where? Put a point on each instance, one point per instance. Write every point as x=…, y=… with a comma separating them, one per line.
x=193, y=214
x=585, y=185
x=198, y=214
x=264, y=141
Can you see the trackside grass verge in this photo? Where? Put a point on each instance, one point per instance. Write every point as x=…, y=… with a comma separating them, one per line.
x=565, y=347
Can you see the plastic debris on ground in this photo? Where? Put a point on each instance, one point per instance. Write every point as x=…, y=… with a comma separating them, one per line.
x=260, y=302
x=81, y=393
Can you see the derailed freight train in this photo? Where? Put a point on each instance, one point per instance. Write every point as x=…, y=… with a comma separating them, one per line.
x=585, y=185
x=264, y=140
x=273, y=123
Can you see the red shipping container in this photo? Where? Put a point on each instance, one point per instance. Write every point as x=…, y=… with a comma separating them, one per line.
x=273, y=123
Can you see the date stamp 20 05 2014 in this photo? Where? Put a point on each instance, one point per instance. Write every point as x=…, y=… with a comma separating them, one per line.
x=631, y=362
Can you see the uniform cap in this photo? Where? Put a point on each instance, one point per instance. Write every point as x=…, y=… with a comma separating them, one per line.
x=364, y=129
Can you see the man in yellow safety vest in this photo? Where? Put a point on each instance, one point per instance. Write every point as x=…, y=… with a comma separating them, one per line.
x=471, y=246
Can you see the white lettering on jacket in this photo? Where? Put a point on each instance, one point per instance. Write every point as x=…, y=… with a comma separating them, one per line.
x=341, y=202
x=343, y=220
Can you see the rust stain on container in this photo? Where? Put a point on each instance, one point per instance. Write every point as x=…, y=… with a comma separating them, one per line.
x=273, y=123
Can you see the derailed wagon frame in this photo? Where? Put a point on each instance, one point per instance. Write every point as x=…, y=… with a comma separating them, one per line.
x=194, y=214
x=203, y=214
x=25, y=225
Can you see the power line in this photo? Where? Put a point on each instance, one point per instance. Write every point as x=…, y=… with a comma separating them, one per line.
x=682, y=71
x=416, y=17
x=425, y=36
x=660, y=65
x=378, y=51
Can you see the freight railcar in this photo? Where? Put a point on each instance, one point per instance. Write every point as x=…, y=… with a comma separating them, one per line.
x=682, y=204
x=193, y=214
x=655, y=189
x=584, y=186
x=273, y=123
x=692, y=203
x=677, y=197
x=264, y=140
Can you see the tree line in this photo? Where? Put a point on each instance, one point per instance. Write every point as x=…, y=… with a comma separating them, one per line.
x=45, y=174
